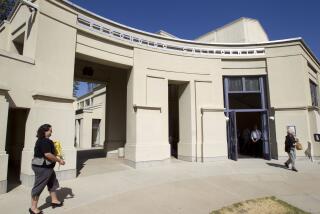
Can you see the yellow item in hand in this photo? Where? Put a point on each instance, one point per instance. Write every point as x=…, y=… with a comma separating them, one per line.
x=58, y=149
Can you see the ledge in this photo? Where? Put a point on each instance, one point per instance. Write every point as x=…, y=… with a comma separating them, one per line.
x=136, y=107
x=287, y=108
x=50, y=97
x=17, y=57
x=4, y=88
x=316, y=108
x=211, y=109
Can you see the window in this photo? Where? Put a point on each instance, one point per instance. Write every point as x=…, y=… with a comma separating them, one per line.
x=245, y=92
x=245, y=101
x=87, y=102
x=314, y=93
x=252, y=84
x=17, y=44
x=244, y=84
x=235, y=84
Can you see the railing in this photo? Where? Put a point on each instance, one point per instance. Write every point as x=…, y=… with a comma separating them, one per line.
x=124, y=36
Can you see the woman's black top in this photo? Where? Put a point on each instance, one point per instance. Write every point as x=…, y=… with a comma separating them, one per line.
x=43, y=146
x=289, y=144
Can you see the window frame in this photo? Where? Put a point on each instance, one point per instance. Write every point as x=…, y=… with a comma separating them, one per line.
x=243, y=79
x=262, y=91
x=314, y=93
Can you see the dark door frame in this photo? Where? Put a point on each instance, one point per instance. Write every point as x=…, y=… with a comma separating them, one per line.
x=231, y=114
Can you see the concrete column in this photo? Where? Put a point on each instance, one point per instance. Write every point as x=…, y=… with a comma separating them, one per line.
x=103, y=123
x=4, y=107
x=147, y=120
x=59, y=113
x=116, y=114
x=86, y=130
x=187, y=146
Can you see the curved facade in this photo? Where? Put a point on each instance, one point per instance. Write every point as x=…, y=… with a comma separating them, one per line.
x=43, y=50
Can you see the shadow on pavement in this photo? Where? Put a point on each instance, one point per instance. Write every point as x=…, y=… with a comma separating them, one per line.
x=84, y=155
x=63, y=194
x=278, y=165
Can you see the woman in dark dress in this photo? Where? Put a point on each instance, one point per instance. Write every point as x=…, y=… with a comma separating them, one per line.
x=42, y=164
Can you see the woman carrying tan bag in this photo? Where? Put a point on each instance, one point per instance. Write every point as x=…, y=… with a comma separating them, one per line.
x=298, y=144
x=290, y=148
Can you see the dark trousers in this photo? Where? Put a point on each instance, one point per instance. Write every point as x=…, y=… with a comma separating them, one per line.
x=256, y=148
x=44, y=177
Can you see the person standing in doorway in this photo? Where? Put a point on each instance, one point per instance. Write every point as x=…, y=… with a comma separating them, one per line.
x=246, y=140
x=256, y=140
x=42, y=164
x=290, y=148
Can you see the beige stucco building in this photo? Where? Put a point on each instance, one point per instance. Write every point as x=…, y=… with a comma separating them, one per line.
x=201, y=93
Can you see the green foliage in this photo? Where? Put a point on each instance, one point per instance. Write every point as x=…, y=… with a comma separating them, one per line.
x=5, y=8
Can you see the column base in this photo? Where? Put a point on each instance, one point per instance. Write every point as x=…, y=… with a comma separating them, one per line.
x=316, y=158
x=113, y=155
x=187, y=158
x=3, y=172
x=144, y=164
x=3, y=187
x=199, y=159
x=213, y=159
x=28, y=180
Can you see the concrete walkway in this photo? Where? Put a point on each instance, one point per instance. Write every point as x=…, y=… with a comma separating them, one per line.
x=108, y=186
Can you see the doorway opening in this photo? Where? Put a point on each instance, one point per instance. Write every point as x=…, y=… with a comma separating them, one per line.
x=249, y=134
x=173, y=119
x=96, y=132
x=179, y=119
x=17, y=118
x=101, y=115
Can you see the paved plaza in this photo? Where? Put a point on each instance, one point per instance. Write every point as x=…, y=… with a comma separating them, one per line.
x=109, y=186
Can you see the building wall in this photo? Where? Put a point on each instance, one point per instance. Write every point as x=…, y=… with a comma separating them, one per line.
x=291, y=98
x=242, y=30
x=34, y=82
x=138, y=76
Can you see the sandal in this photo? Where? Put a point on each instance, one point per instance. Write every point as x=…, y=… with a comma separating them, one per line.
x=54, y=205
x=31, y=212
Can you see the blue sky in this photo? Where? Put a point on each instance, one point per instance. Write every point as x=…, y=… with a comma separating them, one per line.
x=189, y=19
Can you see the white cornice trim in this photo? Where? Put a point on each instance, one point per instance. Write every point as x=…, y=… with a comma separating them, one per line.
x=81, y=9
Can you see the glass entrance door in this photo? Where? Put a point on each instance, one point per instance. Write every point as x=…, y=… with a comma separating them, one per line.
x=232, y=136
x=246, y=96
x=265, y=135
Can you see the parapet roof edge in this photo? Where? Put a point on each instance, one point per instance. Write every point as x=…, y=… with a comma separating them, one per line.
x=296, y=39
x=165, y=32
x=173, y=39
